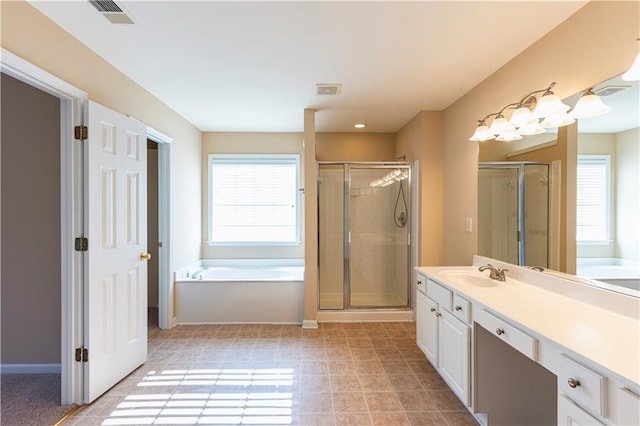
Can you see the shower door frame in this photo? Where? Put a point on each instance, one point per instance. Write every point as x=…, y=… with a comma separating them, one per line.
x=346, y=265
x=520, y=167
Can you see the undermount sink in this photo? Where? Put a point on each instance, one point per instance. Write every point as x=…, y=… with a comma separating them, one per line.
x=469, y=278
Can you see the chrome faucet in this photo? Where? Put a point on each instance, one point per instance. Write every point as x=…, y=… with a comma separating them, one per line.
x=494, y=273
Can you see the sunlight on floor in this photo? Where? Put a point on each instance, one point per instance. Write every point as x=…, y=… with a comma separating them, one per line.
x=239, y=408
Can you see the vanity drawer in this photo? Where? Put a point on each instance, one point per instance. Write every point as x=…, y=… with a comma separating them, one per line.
x=421, y=284
x=441, y=295
x=462, y=309
x=582, y=385
x=514, y=337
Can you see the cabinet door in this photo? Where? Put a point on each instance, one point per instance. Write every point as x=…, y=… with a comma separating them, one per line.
x=453, y=354
x=427, y=327
x=569, y=414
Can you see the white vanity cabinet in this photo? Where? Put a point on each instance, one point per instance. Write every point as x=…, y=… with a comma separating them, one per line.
x=545, y=350
x=442, y=336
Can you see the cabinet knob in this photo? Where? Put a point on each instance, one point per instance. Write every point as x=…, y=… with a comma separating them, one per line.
x=458, y=308
x=573, y=382
x=438, y=314
x=433, y=309
x=419, y=282
x=499, y=331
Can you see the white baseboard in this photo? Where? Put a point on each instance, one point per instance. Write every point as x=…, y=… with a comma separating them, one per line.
x=366, y=316
x=310, y=324
x=30, y=368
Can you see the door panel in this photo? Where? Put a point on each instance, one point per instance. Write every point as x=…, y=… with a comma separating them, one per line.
x=379, y=236
x=115, y=291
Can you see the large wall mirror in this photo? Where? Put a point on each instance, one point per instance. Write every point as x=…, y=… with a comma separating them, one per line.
x=596, y=164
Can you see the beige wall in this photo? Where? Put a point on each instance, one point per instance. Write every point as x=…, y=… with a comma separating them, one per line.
x=628, y=195
x=596, y=43
x=30, y=35
x=31, y=290
x=247, y=143
x=422, y=139
x=355, y=146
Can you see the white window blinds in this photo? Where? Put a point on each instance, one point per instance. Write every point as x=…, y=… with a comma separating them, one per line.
x=593, y=198
x=254, y=199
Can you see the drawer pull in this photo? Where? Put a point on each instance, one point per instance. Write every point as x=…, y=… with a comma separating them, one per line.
x=573, y=382
x=499, y=331
x=458, y=308
x=433, y=309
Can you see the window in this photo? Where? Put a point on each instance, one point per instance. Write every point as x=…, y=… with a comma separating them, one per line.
x=254, y=199
x=593, y=199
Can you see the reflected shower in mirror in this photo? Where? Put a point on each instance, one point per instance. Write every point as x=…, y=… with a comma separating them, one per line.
x=513, y=206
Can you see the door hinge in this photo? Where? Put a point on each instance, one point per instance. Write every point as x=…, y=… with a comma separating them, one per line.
x=82, y=244
x=82, y=354
x=81, y=132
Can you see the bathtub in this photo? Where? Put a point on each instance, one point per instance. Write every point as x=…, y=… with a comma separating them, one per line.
x=610, y=270
x=240, y=291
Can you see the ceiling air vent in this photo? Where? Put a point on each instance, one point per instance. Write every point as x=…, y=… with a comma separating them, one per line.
x=328, y=89
x=111, y=11
x=610, y=90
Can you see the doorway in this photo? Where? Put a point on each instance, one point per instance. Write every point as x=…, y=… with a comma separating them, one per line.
x=71, y=103
x=153, y=240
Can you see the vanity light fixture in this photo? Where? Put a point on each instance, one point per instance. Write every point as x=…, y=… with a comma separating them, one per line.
x=633, y=73
x=359, y=125
x=589, y=105
x=532, y=116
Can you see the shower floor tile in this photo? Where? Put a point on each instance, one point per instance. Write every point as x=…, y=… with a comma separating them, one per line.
x=342, y=373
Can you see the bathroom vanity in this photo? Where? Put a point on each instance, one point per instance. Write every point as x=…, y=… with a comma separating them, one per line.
x=535, y=349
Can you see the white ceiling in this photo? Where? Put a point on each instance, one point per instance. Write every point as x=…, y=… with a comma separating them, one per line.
x=253, y=66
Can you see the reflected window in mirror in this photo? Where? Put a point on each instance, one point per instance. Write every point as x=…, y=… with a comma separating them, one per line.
x=593, y=199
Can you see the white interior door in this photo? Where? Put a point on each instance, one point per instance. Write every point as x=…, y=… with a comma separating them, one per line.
x=115, y=290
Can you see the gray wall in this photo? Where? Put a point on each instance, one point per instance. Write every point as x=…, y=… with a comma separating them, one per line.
x=30, y=187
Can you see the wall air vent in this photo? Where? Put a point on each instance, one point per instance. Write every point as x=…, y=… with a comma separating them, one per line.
x=328, y=89
x=111, y=11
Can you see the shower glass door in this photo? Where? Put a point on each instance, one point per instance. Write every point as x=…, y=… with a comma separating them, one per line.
x=363, y=225
x=513, y=212
x=379, y=236
x=498, y=219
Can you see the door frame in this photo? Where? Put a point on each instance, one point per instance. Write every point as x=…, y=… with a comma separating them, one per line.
x=72, y=102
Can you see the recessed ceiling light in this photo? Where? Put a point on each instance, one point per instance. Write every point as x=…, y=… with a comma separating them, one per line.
x=359, y=125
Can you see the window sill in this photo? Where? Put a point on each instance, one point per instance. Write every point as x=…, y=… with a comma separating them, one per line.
x=595, y=243
x=253, y=244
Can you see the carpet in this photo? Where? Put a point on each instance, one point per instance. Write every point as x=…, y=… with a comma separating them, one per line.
x=30, y=399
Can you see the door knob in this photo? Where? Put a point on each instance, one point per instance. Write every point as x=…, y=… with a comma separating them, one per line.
x=145, y=256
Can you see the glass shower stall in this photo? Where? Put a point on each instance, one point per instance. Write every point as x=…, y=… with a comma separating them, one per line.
x=513, y=212
x=364, y=235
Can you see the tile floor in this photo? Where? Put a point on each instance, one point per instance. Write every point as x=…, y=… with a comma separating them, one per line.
x=340, y=374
